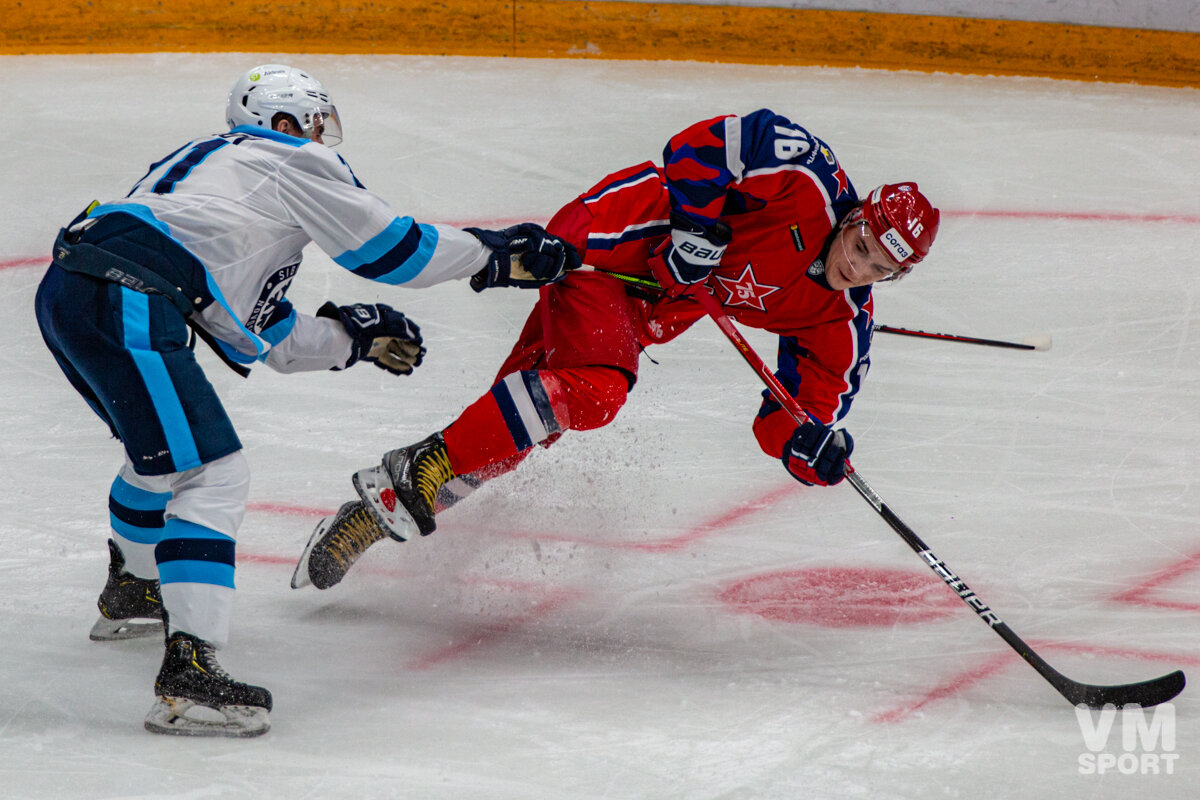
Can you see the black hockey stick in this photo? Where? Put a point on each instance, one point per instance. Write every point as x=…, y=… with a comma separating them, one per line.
x=1040, y=342
x=1145, y=694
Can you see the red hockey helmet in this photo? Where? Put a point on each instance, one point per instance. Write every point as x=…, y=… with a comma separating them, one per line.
x=904, y=222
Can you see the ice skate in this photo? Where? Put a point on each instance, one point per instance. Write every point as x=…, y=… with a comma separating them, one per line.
x=335, y=545
x=126, y=598
x=196, y=697
x=402, y=490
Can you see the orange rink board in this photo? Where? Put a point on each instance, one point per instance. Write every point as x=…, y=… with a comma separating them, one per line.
x=617, y=30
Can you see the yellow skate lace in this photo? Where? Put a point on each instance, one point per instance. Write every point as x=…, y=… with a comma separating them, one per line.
x=356, y=532
x=433, y=471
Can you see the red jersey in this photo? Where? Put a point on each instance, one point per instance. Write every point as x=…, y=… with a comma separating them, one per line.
x=782, y=192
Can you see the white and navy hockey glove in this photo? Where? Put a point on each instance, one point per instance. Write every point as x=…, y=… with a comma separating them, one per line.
x=382, y=335
x=692, y=253
x=525, y=256
x=816, y=455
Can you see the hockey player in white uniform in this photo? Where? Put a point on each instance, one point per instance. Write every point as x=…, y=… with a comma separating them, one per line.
x=210, y=239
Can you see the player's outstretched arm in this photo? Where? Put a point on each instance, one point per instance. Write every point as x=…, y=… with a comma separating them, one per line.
x=525, y=256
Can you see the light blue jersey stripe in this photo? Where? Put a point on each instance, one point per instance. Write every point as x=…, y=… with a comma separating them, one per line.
x=280, y=330
x=183, y=571
x=133, y=209
x=395, y=255
x=274, y=136
x=135, y=533
x=131, y=496
x=182, y=529
x=136, y=312
x=378, y=245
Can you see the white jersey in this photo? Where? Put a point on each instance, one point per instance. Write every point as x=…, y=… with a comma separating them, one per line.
x=245, y=204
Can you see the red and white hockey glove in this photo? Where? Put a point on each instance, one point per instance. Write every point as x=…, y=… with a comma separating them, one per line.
x=816, y=455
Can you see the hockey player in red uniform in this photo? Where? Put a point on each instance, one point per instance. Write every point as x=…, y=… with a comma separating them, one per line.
x=755, y=210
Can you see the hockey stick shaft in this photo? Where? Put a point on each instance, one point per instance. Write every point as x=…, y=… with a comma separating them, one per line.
x=950, y=337
x=1035, y=343
x=1147, y=693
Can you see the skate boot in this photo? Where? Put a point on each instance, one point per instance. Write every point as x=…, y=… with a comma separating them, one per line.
x=126, y=598
x=192, y=681
x=401, y=491
x=335, y=545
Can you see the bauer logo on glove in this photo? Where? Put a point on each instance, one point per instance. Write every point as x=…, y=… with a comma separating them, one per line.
x=381, y=335
x=525, y=256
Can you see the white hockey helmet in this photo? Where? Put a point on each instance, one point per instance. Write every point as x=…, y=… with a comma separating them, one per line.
x=271, y=89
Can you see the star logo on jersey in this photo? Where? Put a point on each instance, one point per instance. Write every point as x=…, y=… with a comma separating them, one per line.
x=843, y=183
x=745, y=290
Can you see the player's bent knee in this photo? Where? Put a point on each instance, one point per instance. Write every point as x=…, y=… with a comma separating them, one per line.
x=214, y=494
x=593, y=395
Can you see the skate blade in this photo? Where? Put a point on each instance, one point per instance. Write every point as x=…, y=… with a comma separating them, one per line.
x=114, y=630
x=178, y=716
x=300, y=578
x=375, y=488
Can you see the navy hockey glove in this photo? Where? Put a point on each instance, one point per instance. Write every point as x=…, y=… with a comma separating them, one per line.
x=381, y=334
x=816, y=455
x=692, y=253
x=524, y=256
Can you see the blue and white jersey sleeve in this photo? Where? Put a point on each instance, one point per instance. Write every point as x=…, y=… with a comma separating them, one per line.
x=246, y=203
x=361, y=232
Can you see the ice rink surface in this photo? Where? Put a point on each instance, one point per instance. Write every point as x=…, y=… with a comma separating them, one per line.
x=655, y=609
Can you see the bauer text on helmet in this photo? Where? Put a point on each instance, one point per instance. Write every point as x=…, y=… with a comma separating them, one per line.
x=264, y=93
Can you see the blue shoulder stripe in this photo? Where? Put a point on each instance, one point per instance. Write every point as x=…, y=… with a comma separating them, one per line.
x=638, y=177
x=180, y=170
x=609, y=241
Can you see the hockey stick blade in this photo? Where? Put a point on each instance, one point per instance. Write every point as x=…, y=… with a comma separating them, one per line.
x=1145, y=694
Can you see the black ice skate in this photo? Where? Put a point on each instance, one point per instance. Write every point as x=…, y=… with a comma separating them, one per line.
x=124, y=599
x=335, y=545
x=402, y=490
x=198, y=698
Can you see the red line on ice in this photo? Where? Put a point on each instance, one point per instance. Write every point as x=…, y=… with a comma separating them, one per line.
x=13, y=263
x=1139, y=594
x=956, y=684
x=697, y=532
x=1079, y=216
x=1075, y=216
x=488, y=633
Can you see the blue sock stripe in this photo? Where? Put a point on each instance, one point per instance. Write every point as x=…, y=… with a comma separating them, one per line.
x=512, y=417
x=152, y=518
x=135, y=533
x=182, y=529
x=131, y=496
x=184, y=571
x=214, y=551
